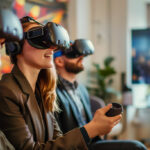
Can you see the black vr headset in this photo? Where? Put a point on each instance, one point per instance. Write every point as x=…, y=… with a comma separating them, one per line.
x=41, y=37
x=48, y=35
x=10, y=26
x=80, y=47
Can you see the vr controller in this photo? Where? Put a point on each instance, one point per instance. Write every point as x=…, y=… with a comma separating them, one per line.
x=42, y=37
x=115, y=110
x=10, y=26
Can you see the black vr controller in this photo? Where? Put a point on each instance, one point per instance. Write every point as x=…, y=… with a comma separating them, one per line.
x=115, y=110
x=10, y=26
x=79, y=47
x=42, y=37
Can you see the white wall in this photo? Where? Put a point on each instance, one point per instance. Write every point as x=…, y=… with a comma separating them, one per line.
x=79, y=23
x=118, y=37
x=109, y=33
x=79, y=19
x=100, y=29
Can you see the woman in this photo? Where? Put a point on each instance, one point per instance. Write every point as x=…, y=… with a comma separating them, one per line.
x=27, y=102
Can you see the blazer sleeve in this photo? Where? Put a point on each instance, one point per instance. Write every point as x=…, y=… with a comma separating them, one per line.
x=13, y=124
x=4, y=143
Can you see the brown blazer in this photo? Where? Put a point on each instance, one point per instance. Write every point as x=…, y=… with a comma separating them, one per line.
x=22, y=122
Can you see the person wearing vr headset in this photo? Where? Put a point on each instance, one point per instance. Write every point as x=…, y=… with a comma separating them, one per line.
x=10, y=30
x=27, y=95
x=73, y=98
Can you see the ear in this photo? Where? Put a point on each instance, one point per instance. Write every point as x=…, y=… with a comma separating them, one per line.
x=59, y=62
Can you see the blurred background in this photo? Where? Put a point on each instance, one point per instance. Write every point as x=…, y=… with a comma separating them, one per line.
x=119, y=70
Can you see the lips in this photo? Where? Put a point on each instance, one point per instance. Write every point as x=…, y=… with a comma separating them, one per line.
x=48, y=54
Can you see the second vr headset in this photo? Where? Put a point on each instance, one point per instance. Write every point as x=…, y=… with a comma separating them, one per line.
x=42, y=37
x=78, y=48
x=10, y=26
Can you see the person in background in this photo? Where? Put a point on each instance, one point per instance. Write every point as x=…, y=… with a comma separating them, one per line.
x=27, y=95
x=13, y=32
x=73, y=98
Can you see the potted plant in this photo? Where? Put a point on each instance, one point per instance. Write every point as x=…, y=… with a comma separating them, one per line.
x=101, y=82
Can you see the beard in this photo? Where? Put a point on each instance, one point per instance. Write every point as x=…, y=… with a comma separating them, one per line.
x=73, y=68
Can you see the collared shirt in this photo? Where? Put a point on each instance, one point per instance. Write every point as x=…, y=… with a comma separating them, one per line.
x=72, y=89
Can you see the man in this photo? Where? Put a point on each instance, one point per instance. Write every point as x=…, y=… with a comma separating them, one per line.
x=73, y=97
x=10, y=30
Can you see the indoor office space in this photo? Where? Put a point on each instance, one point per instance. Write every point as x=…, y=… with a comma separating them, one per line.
x=117, y=69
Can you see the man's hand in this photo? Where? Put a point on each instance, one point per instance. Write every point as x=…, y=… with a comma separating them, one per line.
x=101, y=124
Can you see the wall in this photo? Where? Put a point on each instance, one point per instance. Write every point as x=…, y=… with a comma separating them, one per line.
x=118, y=37
x=79, y=23
x=109, y=33
x=79, y=19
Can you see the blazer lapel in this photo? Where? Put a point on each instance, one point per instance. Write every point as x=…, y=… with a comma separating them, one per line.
x=74, y=109
x=36, y=116
x=32, y=104
x=48, y=122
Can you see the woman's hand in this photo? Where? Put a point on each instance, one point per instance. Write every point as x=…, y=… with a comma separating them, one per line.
x=101, y=124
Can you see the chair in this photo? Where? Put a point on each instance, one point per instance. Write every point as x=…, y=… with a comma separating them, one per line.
x=96, y=103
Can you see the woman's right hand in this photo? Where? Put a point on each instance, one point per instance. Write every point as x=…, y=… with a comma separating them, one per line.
x=101, y=124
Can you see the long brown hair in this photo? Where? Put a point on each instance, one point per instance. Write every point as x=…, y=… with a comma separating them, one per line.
x=46, y=79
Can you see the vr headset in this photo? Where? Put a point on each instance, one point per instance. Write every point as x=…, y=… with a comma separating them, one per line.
x=78, y=48
x=10, y=26
x=42, y=37
x=50, y=34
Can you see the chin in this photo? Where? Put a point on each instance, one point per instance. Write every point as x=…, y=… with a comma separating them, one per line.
x=49, y=65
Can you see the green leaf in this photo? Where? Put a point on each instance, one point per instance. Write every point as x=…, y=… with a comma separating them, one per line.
x=108, y=61
x=97, y=66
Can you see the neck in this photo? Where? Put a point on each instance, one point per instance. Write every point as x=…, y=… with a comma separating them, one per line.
x=71, y=77
x=30, y=73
